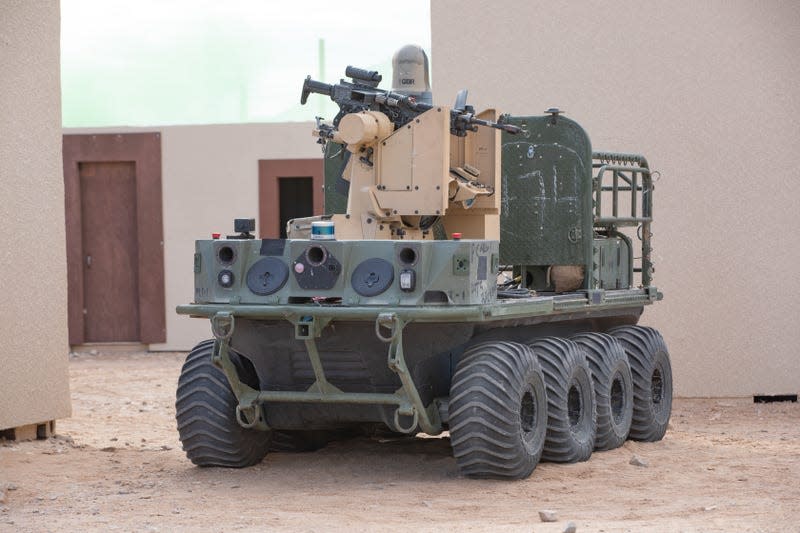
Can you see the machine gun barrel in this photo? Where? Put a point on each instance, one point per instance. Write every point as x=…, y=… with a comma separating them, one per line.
x=363, y=94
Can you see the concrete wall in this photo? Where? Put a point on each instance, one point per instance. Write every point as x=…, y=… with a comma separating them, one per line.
x=210, y=177
x=34, y=386
x=708, y=91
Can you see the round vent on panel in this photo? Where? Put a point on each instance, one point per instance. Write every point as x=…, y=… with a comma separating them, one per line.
x=372, y=277
x=267, y=275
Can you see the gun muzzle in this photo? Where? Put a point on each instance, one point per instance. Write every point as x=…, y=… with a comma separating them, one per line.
x=313, y=86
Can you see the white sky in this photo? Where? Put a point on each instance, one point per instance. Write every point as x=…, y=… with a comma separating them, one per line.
x=177, y=62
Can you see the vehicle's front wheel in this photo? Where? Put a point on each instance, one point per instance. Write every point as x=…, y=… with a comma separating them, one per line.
x=497, y=411
x=205, y=408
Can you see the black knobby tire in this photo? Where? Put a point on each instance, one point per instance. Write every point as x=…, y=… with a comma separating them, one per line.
x=652, y=381
x=572, y=415
x=497, y=411
x=613, y=387
x=205, y=408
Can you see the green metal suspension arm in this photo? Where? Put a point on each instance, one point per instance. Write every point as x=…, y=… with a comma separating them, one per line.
x=248, y=412
x=428, y=419
x=407, y=399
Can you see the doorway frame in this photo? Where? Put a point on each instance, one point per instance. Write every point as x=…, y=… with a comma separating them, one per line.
x=270, y=171
x=144, y=150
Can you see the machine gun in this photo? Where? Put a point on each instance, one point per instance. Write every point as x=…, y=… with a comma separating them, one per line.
x=362, y=94
x=408, y=164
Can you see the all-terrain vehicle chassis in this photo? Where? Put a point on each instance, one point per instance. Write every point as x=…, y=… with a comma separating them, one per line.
x=463, y=280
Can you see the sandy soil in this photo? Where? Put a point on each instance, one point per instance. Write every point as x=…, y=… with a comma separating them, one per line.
x=725, y=465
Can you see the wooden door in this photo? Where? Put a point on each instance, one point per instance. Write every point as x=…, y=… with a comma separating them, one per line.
x=287, y=188
x=110, y=252
x=115, y=243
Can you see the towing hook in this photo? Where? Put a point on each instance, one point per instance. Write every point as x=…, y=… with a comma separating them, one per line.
x=243, y=413
x=222, y=325
x=414, y=420
x=387, y=321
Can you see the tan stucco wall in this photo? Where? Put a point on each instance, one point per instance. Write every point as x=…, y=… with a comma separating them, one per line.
x=34, y=385
x=210, y=177
x=708, y=91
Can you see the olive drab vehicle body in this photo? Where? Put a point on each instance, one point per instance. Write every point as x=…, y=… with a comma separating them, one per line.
x=476, y=273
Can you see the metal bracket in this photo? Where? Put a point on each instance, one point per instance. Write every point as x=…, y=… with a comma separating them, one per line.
x=248, y=411
x=305, y=328
x=309, y=326
x=321, y=384
x=652, y=293
x=427, y=419
x=596, y=296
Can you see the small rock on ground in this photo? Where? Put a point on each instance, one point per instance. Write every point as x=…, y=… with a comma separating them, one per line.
x=548, y=516
x=638, y=461
x=570, y=528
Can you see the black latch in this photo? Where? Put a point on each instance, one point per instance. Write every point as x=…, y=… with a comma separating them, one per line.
x=554, y=112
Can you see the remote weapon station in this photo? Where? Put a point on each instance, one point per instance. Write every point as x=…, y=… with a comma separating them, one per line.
x=476, y=273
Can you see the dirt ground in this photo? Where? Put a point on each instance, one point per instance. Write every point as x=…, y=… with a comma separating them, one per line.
x=725, y=465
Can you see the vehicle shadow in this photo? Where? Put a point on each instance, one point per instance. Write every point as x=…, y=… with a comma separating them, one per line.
x=359, y=460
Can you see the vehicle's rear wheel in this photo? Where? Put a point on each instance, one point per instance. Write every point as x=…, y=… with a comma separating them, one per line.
x=497, y=411
x=613, y=387
x=572, y=415
x=205, y=410
x=652, y=381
